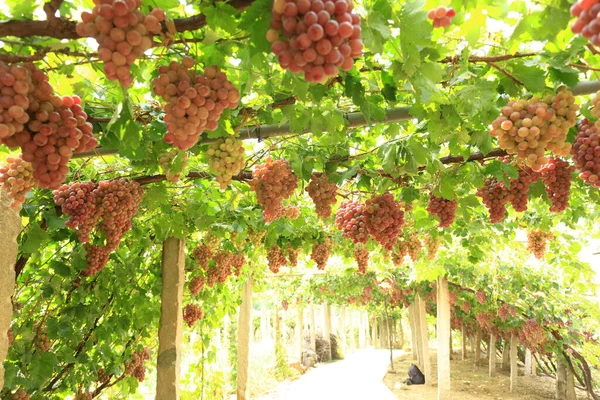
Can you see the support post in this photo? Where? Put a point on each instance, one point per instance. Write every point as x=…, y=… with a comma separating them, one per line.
x=327, y=329
x=313, y=329
x=506, y=354
x=10, y=226
x=170, y=331
x=300, y=331
x=424, y=333
x=571, y=395
x=528, y=359
x=513, y=362
x=413, y=332
x=243, y=346
x=565, y=385
x=362, y=337
x=342, y=329
x=478, y=347
x=492, y=355
x=464, y=343
x=443, y=339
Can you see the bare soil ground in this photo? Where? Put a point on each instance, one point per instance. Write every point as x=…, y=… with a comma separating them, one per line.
x=471, y=382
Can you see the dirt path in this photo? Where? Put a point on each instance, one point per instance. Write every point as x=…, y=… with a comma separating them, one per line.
x=358, y=377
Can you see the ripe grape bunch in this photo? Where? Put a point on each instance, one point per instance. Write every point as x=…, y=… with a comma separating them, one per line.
x=315, y=37
x=399, y=253
x=20, y=394
x=556, y=175
x=202, y=253
x=197, y=285
x=292, y=212
x=226, y=159
x=537, y=242
x=16, y=177
x=135, y=366
x=441, y=16
x=432, y=244
x=442, y=208
x=41, y=340
x=586, y=152
x=586, y=12
x=16, y=91
x=172, y=164
x=238, y=261
x=532, y=334
x=320, y=254
x=495, y=196
x=505, y=310
x=221, y=270
x=322, y=192
x=361, y=255
x=413, y=246
x=293, y=256
x=276, y=259
x=107, y=207
x=481, y=297
x=195, y=101
x=192, y=314
x=273, y=182
x=123, y=34
x=351, y=219
x=528, y=128
x=519, y=188
x=384, y=219
x=84, y=396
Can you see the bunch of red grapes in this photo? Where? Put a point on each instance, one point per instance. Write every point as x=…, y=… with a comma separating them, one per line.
x=384, y=219
x=237, y=263
x=315, y=37
x=452, y=297
x=481, y=297
x=399, y=252
x=285, y=305
x=413, y=247
x=293, y=256
x=361, y=255
x=169, y=167
x=444, y=209
x=16, y=94
x=197, y=285
x=276, y=259
x=484, y=319
x=221, y=270
x=16, y=177
x=537, y=242
x=123, y=34
x=273, y=182
x=529, y=128
x=192, y=314
x=441, y=16
x=556, y=175
x=495, y=196
x=351, y=219
x=505, y=310
x=320, y=254
x=20, y=394
x=587, y=21
x=135, y=366
x=322, y=192
x=466, y=306
x=84, y=396
x=432, y=244
x=195, y=101
x=107, y=207
x=532, y=335
x=519, y=188
x=292, y=212
x=202, y=253
x=586, y=153
x=41, y=340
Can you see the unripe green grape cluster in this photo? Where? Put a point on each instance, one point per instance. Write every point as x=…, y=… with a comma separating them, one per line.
x=226, y=159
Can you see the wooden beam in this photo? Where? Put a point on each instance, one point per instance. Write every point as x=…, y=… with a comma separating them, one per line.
x=513, y=362
x=170, y=331
x=243, y=341
x=443, y=339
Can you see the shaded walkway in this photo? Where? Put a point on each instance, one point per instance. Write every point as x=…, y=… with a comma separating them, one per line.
x=359, y=376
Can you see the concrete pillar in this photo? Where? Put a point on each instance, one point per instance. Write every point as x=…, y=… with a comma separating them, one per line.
x=492, y=355
x=313, y=329
x=464, y=343
x=10, y=226
x=528, y=359
x=478, y=347
x=413, y=332
x=327, y=327
x=342, y=329
x=570, y=384
x=300, y=331
x=513, y=362
x=565, y=385
x=243, y=344
x=424, y=333
x=362, y=337
x=506, y=355
x=170, y=331
x=443, y=339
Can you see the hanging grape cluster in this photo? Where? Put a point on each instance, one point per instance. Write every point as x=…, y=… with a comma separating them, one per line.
x=556, y=175
x=495, y=196
x=292, y=255
x=292, y=212
x=192, y=313
x=322, y=192
x=202, y=254
x=226, y=159
x=20, y=394
x=41, y=340
x=83, y=396
x=195, y=101
x=518, y=194
x=586, y=152
x=351, y=219
x=413, y=246
x=123, y=34
x=169, y=167
x=537, y=242
x=315, y=37
x=586, y=12
x=481, y=297
x=399, y=253
x=441, y=16
x=221, y=269
x=197, y=285
x=273, y=182
x=320, y=254
x=466, y=306
x=135, y=366
x=384, y=219
x=532, y=335
x=16, y=177
x=442, y=208
x=16, y=90
x=285, y=305
x=529, y=128
x=432, y=244
x=107, y=207
x=276, y=259
x=361, y=255
x=237, y=263
x=505, y=310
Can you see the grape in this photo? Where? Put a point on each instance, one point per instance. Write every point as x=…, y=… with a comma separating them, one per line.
x=78, y=201
x=413, y=246
x=302, y=29
x=367, y=294
x=519, y=188
x=484, y=319
x=10, y=336
x=537, y=242
x=237, y=263
x=586, y=152
x=16, y=87
x=361, y=255
x=322, y=192
x=587, y=20
x=320, y=254
x=505, y=310
x=532, y=335
x=16, y=177
x=384, y=219
x=292, y=212
x=441, y=16
x=41, y=341
x=123, y=34
x=226, y=159
x=276, y=259
x=191, y=314
x=197, y=285
x=528, y=128
x=195, y=102
x=135, y=366
x=212, y=241
x=481, y=297
x=272, y=182
x=222, y=268
x=444, y=209
x=452, y=298
x=432, y=244
x=399, y=253
x=84, y=396
x=202, y=253
x=466, y=306
x=172, y=163
x=495, y=196
x=20, y=394
x=293, y=256
x=351, y=219
x=556, y=175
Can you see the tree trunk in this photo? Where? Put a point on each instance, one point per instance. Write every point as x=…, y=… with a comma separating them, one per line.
x=492, y=355
x=10, y=226
x=170, y=331
x=243, y=345
x=513, y=362
x=327, y=330
x=443, y=339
